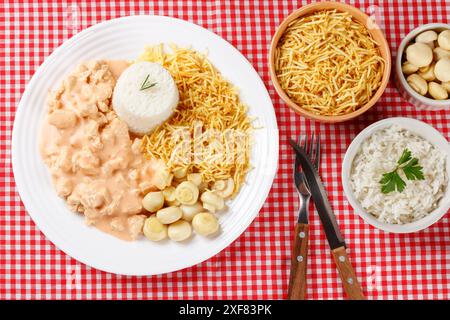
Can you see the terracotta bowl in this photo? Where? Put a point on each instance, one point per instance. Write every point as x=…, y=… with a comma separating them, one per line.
x=359, y=16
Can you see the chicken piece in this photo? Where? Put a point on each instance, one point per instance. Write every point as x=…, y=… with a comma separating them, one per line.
x=135, y=225
x=133, y=175
x=104, y=92
x=117, y=224
x=91, y=129
x=120, y=131
x=100, y=119
x=110, y=116
x=108, y=136
x=136, y=146
x=92, y=134
x=87, y=109
x=62, y=119
x=70, y=82
x=114, y=164
x=101, y=73
x=53, y=99
x=54, y=105
x=74, y=203
x=96, y=144
x=63, y=187
x=103, y=106
x=63, y=160
x=92, y=197
x=113, y=207
x=86, y=91
x=97, y=84
x=86, y=161
x=81, y=68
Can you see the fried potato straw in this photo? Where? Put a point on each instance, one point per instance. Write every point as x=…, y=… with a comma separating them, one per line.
x=222, y=149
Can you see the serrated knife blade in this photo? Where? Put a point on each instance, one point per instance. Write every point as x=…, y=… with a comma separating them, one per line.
x=320, y=199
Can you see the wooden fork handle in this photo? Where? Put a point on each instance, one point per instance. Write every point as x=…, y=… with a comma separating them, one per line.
x=297, y=278
x=347, y=274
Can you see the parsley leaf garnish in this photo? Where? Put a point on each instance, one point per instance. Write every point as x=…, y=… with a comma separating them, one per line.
x=392, y=181
x=405, y=157
x=413, y=171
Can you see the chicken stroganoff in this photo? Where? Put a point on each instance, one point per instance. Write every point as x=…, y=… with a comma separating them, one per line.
x=94, y=163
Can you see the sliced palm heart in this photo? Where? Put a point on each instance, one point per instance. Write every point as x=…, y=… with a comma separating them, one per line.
x=205, y=223
x=180, y=173
x=212, y=200
x=209, y=207
x=169, y=193
x=154, y=230
x=169, y=215
x=180, y=230
x=196, y=178
x=162, y=179
x=220, y=185
x=187, y=193
x=224, y=188
x=189, y=211
x=153, y=201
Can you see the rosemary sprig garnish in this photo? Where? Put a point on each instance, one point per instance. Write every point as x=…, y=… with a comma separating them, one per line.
x=146, y=84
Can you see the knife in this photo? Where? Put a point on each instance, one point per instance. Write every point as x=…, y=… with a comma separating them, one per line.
x=330, y=226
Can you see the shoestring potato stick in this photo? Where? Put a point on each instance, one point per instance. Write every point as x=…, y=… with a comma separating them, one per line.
x=207, y=97
x=328, y=64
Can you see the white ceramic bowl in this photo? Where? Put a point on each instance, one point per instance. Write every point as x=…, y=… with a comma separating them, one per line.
x=420, y=128
x=405, y=90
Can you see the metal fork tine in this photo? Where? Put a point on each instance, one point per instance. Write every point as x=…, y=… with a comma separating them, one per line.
x=311, y=147
x=297, y=162
x=305, y=143
x=317, y=159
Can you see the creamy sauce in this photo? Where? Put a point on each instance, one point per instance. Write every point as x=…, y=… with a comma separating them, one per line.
x=117, y=67
x=94, y=163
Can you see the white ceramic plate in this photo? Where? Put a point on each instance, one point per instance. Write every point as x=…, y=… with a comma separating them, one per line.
x=421, y=129
x=125, y=38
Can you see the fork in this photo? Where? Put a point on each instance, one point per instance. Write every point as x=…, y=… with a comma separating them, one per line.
x=297, y=279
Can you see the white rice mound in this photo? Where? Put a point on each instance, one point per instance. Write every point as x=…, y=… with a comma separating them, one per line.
x=378, y=155
x=144, y=110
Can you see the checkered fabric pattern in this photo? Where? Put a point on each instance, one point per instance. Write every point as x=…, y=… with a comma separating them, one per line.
x=256, y=266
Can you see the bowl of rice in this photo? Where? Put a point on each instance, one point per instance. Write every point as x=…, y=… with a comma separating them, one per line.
x=329, y=61
x=395, y=175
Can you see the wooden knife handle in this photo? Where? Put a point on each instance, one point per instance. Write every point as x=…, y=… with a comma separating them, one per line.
x=297, y=279
x=347, y=274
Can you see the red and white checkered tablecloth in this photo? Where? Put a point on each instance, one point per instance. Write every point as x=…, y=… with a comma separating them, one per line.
x=256, y=266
